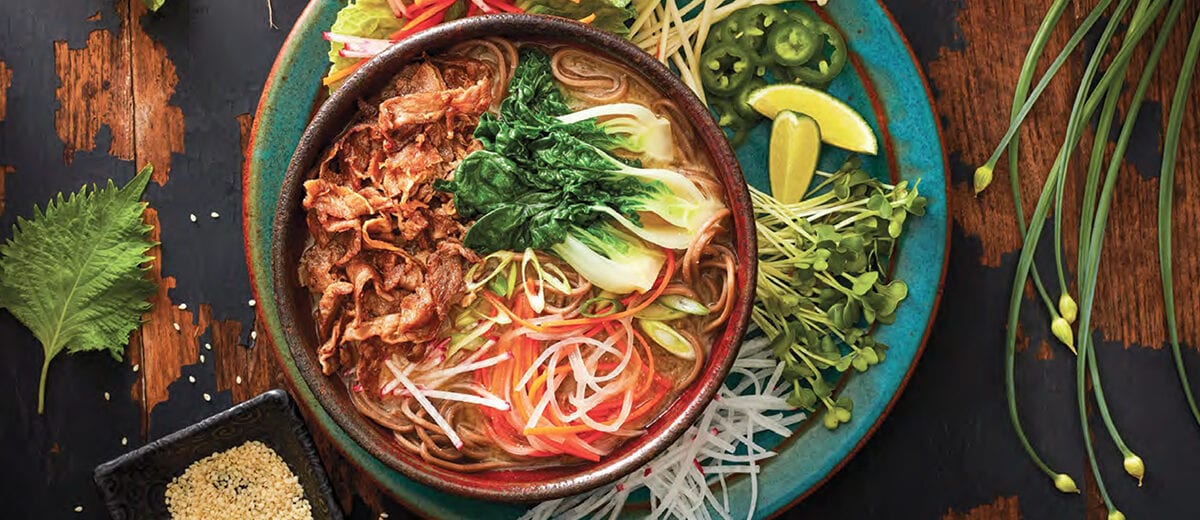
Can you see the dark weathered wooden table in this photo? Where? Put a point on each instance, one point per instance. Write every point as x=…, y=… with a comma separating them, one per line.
x=91, y=88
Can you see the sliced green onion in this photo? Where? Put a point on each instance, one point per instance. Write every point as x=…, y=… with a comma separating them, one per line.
x=658, y=312
x=683, y=304
x=668, y=338
x=613, y=306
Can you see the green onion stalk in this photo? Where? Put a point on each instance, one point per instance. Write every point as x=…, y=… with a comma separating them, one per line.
x=984, y=174
x=1066, y=305
x=1060, y=326
x=1166, y=193
x=1024, y=80
x=1140, y=22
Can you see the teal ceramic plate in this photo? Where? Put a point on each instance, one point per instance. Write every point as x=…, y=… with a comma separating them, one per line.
x=883, y=83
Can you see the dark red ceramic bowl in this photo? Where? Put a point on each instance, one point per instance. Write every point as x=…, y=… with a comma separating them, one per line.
x=296, y=307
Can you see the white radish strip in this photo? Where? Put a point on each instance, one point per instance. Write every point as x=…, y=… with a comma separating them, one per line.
x=375, y=47
x=551, y=350
x=480, y=351
x=616, y=424
x=471, y=367
x=727, y=457
x=390, y=387
x=590, y=505
x=483, y=7
x=348, y=39
x=793, y=419
x=467, y=398
x=428, y=406
x=716, y=506
x=755, y=363
x=539, y=410
x=347, y=53
x=774, y=380
x=771, y=425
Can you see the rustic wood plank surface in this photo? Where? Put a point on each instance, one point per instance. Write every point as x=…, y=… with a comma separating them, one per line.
x=90, y=89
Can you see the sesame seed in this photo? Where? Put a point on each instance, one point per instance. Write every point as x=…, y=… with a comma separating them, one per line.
x=201, y=358
x=192, y=217
x=124, y=441
x=136, y=367
x=207, y=397
x=238, y=380
x=192, y=379
x=176, y=325
x=208, y=346
x=233, y=483
x=183, y=306
x=214, y=215
x=252, y=302
x=383, y=515
x=107, y=397
x=78, y=509
x=254, y=334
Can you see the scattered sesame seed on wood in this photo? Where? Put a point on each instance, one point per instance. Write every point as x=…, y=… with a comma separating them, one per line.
x=136, y=367
x=254, y=334
x=208, y=346
x=192, y=217
x=78, y=509
x=192, y=379
x=207, y=397
x=238, y=380
x=252, y=302
x=214, y=215
x=107, y=397
x=183, y=306
x=201, y=358
x=124, y=441
x=176, y=325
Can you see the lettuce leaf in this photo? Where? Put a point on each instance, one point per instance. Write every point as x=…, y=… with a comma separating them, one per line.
x=365, y=18
x=611, y=15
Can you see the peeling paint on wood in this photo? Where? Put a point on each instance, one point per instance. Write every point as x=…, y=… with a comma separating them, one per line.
x=95, y=89
x=5, y=170
x=124, y=82
x=1003, y=508
x=159, y=123
x=245, y=124
x=5, y=82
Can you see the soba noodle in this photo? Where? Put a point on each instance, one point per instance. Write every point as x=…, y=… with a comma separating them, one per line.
x=477, y=363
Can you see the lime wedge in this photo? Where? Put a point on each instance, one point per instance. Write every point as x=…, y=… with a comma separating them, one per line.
x=795, y=148
x=840, y=125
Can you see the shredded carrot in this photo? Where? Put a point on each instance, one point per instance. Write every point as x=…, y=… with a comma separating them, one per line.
x=342, y=74
x=587, y=19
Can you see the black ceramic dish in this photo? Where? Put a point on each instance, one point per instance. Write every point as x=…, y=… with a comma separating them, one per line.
x=134, y=485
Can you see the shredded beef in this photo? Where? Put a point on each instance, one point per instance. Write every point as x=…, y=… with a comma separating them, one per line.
x=386, y=262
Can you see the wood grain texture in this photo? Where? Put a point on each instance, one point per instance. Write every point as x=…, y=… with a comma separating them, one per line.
x=95, y=89
x=1129, y=268
x=158, y=123
x=1003, y=508
x=5, y=82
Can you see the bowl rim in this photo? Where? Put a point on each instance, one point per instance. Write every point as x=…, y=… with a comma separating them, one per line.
x=332, y=117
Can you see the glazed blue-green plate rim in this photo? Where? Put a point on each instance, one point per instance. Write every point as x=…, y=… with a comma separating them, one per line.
x=885, y=85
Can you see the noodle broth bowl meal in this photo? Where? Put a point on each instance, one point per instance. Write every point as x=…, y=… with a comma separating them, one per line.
x=514, y=256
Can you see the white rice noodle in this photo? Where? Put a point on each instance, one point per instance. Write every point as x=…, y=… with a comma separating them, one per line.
x=428, y=406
